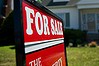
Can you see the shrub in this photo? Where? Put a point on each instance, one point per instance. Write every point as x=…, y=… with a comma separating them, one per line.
x=78, y=41
x=75, y=36
x=7, y=30
x=92, y=44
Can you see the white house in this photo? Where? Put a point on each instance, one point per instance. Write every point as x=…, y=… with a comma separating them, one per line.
x=77, y=14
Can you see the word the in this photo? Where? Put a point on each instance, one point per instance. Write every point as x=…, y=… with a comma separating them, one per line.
x=36, y=62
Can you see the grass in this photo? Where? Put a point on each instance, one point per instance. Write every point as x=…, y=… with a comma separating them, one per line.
x=83, y=56
x=76, y=56
x=7, y=56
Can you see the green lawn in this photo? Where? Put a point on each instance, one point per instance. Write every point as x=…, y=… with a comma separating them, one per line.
x=7, y=56
x=76, y=56
x=83, y=56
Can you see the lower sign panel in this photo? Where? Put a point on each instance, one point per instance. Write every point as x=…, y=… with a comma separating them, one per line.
x=53, y=56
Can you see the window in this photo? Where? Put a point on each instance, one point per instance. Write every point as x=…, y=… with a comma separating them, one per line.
x=67, y=20
x=98, y=21
x=90, y=22
x=65, y=17
x=84, y=18
x=91, y=17
x=98, y=18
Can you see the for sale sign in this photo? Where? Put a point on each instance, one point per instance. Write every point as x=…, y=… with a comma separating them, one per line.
x=42, y=40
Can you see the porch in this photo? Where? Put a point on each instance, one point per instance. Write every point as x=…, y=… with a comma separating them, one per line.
x=90, y=23
x=89, y=18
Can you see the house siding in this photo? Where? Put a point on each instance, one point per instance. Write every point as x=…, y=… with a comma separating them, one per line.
x=74, y=23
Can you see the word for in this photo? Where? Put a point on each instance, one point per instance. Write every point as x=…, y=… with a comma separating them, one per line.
x=42, y=23
x=36, y=62
x=58, y=63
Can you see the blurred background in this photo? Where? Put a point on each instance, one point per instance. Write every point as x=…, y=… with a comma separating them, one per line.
x=81, y=30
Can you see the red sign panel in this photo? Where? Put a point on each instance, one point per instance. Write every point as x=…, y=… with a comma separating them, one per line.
x=43, y=37
x=53, y=56
x=40, y=24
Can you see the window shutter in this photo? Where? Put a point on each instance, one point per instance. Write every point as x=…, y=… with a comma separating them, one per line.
x=67, y=19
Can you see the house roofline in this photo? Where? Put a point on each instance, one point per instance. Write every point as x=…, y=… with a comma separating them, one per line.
x=84, y=3
x=67, y=6
x=88, y=4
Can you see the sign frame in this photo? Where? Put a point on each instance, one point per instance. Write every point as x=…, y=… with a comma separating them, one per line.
x=19, y=32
